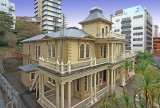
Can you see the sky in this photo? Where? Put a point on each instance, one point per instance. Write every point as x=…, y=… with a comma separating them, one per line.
x=78, y=10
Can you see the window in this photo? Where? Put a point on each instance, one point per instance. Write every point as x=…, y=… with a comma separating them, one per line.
x=126, y=19
x=138, y=28
x=97, y=79
x=137, y=45
x=138, y=16
x=116, y=30
x=117, y=20
x=137, y=39
x=87, y=50
x=77, y=85
x=53, y=82
x=32, y=76
x=106, y=29
x=138, y=33
x=53, y=51
x=38, y=48
x=82, y=51
x=86, y=83
x=49, y=50
x=29, y=48
x=101, y=50
x=49, y=80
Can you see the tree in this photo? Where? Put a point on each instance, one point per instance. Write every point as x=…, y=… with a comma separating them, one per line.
x=6, y=22
x=26, y=29
x=144, y=56
x=10, y=39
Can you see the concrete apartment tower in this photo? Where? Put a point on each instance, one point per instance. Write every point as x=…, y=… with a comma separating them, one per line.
x=49, y=12
x=136, y=23
x=9, y=8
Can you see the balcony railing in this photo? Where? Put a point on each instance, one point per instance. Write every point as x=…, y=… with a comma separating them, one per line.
x=110, y=35
x=69, y=67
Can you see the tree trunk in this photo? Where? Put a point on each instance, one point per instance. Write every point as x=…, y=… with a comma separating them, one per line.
x=135, y=101
x=146, y=99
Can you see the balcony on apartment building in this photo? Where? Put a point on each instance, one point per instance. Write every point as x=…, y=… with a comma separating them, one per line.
x=11, y=6
x=61, y=68
x=111, y=35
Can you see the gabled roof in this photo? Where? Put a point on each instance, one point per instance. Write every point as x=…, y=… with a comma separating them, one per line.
x=69, y=32
x=95, y=13
x=29, y=67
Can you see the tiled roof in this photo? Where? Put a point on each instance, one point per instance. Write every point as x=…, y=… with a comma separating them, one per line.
x=70, y=32
x=29, y=67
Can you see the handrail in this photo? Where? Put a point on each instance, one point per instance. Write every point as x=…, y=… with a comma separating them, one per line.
x=81, y=102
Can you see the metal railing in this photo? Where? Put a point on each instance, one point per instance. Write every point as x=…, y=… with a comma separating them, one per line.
x=11, y=92
x=110, y=35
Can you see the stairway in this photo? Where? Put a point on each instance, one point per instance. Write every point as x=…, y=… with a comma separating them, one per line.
x=35, y=82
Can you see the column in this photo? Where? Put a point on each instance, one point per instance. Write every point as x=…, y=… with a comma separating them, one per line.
x=111, y=80
x=114, y=78
x=69, y=94
x=42, y=84
x=133, y=66
x=108, y=51
x=91, y=89
x=108, y=78
x=62, y=95
x=123, y=77
x=95, y=92
x=112, y=53
x=124, y=51
x=57, y=95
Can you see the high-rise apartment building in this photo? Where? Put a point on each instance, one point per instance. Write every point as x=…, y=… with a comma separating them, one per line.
x=136, y=23
x=9, y=8
x=64, y=20
x=156, y=31
x=49, y=11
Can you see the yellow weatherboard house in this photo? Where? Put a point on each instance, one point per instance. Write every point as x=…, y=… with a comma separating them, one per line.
x=74, y=67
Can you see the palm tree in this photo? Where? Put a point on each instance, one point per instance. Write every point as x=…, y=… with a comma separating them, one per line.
x=147, y=82
x=125, y=101
x=127, y=65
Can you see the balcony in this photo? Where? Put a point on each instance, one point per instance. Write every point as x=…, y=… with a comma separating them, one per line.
x=110, y=35
x=69, y=67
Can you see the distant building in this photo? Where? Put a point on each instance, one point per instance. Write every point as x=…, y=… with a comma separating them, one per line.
x=156, y=30
x=9, y=8
x=34, y=20
x=156, y=46
x=136, y=23
x=64, y=20
x=49, y=12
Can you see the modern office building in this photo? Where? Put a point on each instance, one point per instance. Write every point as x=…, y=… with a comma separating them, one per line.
x=9, y=8
x=156, y=45
x=49, y=12
x=136, y=23
x=77, y=69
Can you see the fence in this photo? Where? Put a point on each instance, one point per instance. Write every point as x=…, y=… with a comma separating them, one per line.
x=10, y=91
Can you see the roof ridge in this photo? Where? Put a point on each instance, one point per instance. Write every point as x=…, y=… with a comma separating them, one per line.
x=69, y=32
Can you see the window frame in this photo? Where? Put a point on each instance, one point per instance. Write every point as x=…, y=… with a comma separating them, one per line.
x=87, y=54
x=82, y=52
x=31, y=79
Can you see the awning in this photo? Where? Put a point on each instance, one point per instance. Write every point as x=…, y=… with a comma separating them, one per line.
x=29, y=67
